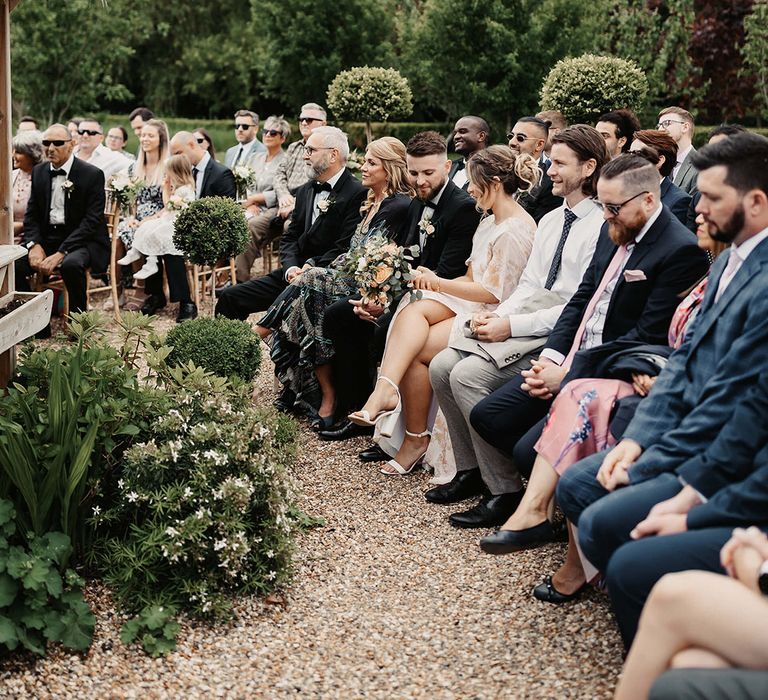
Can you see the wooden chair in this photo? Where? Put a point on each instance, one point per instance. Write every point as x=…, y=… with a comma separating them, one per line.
x=270, y=251
x=199, y=275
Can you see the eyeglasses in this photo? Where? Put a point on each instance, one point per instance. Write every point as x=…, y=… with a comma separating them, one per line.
x=88, y=132
x=244, y=127
x=665, y=124
x=309, y=120
x=614, y=209
x=520, y=138
x=200, y=140
x=55, y=142
x=272, y=132
x=309, y=150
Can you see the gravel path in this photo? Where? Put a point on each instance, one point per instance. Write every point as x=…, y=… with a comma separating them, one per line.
x=388, y=601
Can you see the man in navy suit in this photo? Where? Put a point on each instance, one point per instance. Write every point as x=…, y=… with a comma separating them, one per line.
x=667, y=454
x=644, y=263
x=64, y=225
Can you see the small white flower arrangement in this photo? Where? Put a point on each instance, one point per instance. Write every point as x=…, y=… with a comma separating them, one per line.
x=68, y=187
x=426, y=227
x=325, y=204
x=245, y=178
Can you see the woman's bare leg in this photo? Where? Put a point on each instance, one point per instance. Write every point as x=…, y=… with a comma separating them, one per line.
x=325, y=380
x=406, y=341
x=570, y=576
x=417, y=394
x=536, y=505
x=695, y=610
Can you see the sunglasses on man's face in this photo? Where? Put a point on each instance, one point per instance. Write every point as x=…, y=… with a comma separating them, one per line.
x=271, y=132
x=244, y=127
x=308, y=120
x=88, y=132
x=520, y=138
x=55, y=142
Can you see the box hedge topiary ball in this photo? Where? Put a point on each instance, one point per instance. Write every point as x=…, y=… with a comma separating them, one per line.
x=211, y=229
x=221, y=345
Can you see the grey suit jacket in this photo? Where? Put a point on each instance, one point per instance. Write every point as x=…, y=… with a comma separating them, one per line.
x=256, y=146
x=686, y=176
x=724, y=353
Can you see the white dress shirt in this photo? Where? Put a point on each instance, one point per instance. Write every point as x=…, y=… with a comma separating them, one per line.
x=108, y=161
x=57, y=215
x=324, y=194
x=577, y=254
x=738, y=253
x=201, y=166
x=460, y=177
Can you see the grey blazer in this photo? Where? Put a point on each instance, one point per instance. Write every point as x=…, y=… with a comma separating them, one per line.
x=686, y=176
x=256, y=146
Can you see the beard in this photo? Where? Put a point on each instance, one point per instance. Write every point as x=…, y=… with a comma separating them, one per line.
x=625, y=233
x=432, y=193
x=732, y=228
x=320, y=166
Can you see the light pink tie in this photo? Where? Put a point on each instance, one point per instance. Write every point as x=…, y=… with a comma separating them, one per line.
x=730, y=270
x=614, y=266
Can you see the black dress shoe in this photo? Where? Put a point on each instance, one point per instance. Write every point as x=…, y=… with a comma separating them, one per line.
x=285, y=401
x=373, y=454
x=549, y=594
x=152, y=304
x=492, y=511
x=318, y=423
x=506, y=541
x=345, y=430
x=187, y=311
x=465, y=484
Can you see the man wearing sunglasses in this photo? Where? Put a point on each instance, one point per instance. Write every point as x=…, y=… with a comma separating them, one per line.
x=64, y=226
x=679, y=124
x=91, y=150
x=530, y=135
x=247, y=146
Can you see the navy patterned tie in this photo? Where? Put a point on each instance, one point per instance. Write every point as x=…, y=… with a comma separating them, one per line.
x=557, y=260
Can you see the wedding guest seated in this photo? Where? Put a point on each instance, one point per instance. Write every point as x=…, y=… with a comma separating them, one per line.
x=644, y=262
x=27, y=123
x=420, y=329
x=679, y=124
x=699, y=393
x=299, y=348
x=262, y=198
x=206, y=141
x=358, y=330
x=91, y=150
x=64, y=225
x=248, y=145
x=138, y=117
x=470, y=134
x=584, y=419
x=27, y=153
x=509, y=338
x=618, y=129
x=116, y=139
x=660, y=148
x=706, y=633
x=327, y=214
x=557, y=123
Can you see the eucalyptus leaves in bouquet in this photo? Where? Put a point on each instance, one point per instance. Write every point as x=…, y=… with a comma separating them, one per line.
x=123, y=188
x=211, y=229
x=382, y=269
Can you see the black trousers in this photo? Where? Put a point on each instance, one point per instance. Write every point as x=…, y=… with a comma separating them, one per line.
x=710, y=684
x=178, y=284
x=511, y=420
x=72, y=271
x=358, y=346
x=245, y=298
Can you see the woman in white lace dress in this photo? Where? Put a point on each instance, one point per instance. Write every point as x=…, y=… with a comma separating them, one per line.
x=155, y=236
x=420, y=329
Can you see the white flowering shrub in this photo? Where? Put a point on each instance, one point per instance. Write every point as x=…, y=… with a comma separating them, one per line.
x=587, y=86
x=202, y=506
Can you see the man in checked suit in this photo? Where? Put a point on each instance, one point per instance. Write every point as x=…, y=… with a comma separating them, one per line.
x=327, y=212
x=693, y=400
x=64, y=226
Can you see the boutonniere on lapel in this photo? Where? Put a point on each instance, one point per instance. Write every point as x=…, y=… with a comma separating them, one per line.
x=68, y=187
x=426, y=227
x=325, y=204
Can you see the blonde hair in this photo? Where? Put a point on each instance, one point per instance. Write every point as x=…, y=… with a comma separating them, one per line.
x=391, y=152
x=141, y=161
x=179, y=171
x=516, y=172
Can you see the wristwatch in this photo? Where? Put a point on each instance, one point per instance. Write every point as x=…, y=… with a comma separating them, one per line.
x=762, y=578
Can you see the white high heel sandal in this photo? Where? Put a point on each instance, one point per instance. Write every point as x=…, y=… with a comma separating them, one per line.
x=400, y=470
x=388, y=419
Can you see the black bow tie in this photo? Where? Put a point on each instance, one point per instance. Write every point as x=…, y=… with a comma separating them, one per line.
x=58, y=173
x=459, y=164
x=321, y=187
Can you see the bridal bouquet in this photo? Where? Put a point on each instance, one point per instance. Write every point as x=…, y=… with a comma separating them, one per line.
x=124, y=188
x=245, y=178
x=382, y=270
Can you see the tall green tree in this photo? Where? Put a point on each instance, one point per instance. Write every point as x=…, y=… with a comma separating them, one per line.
x=755, y=53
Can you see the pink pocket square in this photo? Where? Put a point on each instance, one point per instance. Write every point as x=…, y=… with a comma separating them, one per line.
x=634, y=275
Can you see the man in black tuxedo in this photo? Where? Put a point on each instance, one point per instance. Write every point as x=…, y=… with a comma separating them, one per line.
x=211, y=179
x=530, y=135
x=441, y=221
x=644, y=263
x=326, y=214
x=64, y=226
x=470, y=134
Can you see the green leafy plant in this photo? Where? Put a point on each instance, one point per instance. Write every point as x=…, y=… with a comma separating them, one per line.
x=370, y=94
x=585, y=87
x=210, y=229
x=202, y=507
x=156, y=629
x=223, y=346
x=37, y=603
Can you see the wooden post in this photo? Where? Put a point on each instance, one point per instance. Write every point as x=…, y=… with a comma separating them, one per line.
x=7, y=359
